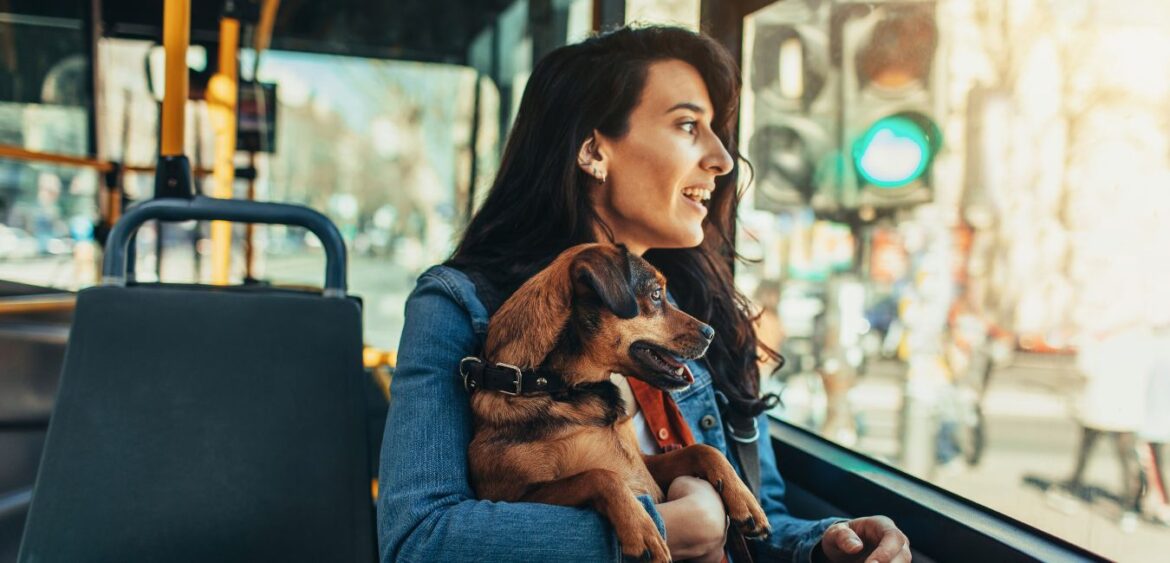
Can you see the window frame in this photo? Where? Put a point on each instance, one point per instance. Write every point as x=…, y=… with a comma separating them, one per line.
x=940, y=524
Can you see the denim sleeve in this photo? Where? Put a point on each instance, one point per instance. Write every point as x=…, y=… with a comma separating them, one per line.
x=426, y=508
x=792, y=539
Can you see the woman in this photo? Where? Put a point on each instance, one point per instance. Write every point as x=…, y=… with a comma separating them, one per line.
x=618, y=138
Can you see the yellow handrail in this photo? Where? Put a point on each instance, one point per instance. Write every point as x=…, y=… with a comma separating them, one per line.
x=380, y=362
x=176, y=36
x=222, y=92
x=24, y=155
x=264, y=28
x=261, y=37
x=112, y=209
x=20, y=304
x=197, y=172
x=373, y=358
x=18, y=153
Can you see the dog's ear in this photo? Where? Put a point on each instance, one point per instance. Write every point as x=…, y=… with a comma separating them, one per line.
x=605, y=272
x=528, y=325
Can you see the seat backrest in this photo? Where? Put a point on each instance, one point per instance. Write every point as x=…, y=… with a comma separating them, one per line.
x=201, y=424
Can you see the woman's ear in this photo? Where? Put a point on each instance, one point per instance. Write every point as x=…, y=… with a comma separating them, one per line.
x=591, y=159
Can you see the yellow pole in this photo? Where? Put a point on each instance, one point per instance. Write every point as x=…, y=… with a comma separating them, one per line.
x=222, y=91
x=262, y=36
x=176, y=36
x=264, y=28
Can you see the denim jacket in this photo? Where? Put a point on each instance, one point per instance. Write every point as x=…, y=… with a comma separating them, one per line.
x=427, y=510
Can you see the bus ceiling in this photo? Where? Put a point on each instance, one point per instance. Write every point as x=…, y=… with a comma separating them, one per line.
x=419, y=30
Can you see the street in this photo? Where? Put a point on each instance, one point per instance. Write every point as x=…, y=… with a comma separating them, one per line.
x=1031, y=442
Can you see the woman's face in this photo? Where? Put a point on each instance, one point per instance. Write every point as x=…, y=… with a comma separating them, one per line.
x=659, y=175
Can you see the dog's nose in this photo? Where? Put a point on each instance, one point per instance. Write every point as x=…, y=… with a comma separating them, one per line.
x=707, y=332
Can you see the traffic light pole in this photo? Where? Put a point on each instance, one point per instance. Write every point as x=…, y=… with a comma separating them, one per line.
x=884, y=52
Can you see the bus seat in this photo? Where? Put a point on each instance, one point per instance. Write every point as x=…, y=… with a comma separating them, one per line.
x=199, y=423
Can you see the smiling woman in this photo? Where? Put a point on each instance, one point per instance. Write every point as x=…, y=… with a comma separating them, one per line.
x=621, y=138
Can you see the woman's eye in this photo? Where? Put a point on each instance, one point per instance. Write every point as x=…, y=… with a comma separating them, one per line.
x=657, y=295
x=690, y=127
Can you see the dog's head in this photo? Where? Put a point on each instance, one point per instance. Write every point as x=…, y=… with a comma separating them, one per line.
x=599, y=309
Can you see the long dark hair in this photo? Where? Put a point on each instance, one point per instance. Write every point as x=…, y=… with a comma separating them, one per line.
x=539, y=204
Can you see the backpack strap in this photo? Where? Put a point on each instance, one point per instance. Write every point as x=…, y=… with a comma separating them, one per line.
x=748, y=451
x=742, y=436
x=487, y=292
x=489, y=297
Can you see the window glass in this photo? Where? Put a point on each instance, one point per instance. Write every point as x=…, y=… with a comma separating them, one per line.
x=395, y=153
x=683, y=13
x=960, y=213
x=46, y=210
x=380, y=147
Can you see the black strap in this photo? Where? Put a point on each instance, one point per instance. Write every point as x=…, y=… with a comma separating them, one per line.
x=738, y=546
x=486, y=291
x=482, y=376
x=748, y=451
x=505, y=378
x=743, y=435
x=744, y=441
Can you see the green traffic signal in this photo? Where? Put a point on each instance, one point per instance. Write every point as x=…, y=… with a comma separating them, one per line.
x=895, y=151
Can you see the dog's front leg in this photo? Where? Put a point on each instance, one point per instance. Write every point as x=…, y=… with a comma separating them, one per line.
x=606, y=492
x=708, y=463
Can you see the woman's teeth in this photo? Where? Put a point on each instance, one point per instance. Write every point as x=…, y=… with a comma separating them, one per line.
x=697, y=194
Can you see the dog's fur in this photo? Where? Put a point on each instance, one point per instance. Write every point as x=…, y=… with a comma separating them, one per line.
x=592, y=312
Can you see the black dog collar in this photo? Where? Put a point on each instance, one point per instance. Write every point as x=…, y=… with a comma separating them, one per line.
x=507, y=379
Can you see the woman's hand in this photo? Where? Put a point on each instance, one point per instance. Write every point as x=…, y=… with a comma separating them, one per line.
x=873, y=539
x=696, y=523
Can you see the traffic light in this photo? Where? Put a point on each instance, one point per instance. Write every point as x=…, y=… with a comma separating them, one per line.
x=791, y=135
x=890, y=135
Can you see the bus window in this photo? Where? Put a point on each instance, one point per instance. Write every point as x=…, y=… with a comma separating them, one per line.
x=46, y=210
x=396, y=153
x=960, y=220
x=684, y=13
x=381, y=147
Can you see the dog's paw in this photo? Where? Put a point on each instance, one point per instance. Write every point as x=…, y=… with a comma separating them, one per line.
x=745, y=511
x=648, y=557
x=752, y=528
x=641, y=542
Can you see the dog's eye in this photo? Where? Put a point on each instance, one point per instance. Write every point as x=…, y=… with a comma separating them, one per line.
x=657, y=295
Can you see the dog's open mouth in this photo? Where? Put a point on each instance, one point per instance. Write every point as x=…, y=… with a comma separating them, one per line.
x=663, y=369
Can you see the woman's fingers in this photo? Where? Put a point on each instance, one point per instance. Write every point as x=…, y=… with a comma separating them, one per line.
x=874, y=539
x=840, y=542
x=893, y=545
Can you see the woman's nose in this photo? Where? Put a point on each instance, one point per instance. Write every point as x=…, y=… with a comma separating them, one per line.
x=717, y=160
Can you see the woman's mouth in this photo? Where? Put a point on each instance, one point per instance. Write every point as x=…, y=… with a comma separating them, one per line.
x=697, y=198
x=698, y=195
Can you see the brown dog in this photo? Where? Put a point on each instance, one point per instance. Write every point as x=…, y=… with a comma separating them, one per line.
x=551, y=428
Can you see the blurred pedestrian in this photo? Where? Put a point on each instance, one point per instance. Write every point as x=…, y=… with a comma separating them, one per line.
x=1154, y=432
x=1112, y=403
x=769, y=325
